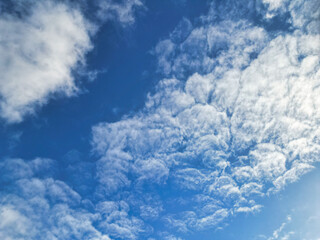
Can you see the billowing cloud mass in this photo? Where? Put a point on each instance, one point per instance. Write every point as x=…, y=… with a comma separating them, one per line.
x=38, y=52
x=42, y=43
x=234, y=119
x=35, y=204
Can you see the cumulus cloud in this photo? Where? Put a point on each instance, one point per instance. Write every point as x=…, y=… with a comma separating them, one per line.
x=42, y=44
x=235, y=119
x=39, y=51
x=209, y=46
x=35, y=204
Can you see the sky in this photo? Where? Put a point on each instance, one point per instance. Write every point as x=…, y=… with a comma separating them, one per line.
x=160, y=120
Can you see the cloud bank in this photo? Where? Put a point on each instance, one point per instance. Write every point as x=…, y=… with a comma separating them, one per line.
x=36, y=204
x=235, y=119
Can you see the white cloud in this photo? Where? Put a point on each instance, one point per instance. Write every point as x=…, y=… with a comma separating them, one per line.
x=120, y=11
x=278, y=231
x=35, y=205
x=38, y=53
x=208, y=46
x=42, y=46
x=273, y=4
x=304, y=14
x=13, y=224
x=115, y=220
x=242, y=122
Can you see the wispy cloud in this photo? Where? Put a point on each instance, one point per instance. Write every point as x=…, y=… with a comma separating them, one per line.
x=278, y=231
x=122, y=12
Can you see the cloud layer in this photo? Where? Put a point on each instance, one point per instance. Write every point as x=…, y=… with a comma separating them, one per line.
x=235, y=119
x=241, y=123
x=34, y=205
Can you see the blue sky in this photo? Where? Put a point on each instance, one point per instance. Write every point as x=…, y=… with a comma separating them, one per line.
x=139, y=119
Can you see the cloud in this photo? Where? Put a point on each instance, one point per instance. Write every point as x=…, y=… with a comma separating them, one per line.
x=303, y=216
x=207, y=46
x=116, y=221
x=42, y=45
x=304, y=15
x=39, y=51
x=278, y=231
x=35, y=204
x=298, y=227
x=235, y=119
x=274, y=4
x=119, y=11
